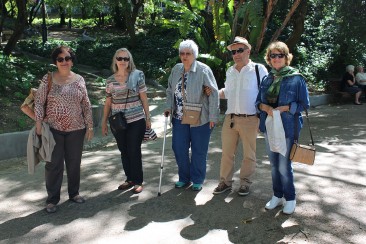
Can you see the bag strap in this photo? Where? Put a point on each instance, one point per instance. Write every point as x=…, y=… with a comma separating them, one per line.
x=257, y=73
x=296, y=137
x=184, y=95
x=49, y=82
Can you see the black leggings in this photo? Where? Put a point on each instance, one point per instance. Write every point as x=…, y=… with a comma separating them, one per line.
x=129, y=144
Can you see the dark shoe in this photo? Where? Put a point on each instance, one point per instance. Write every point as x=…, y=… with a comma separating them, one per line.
x=51, y=208
x=243, y=191
x=197, y=187
x=125, y=186
x=357, y=103
x=222, y=187
x=77, y=199
x=180, y=184
x=137, y=189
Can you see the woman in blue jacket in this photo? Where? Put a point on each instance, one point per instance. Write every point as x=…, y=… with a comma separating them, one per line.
x=285, y=90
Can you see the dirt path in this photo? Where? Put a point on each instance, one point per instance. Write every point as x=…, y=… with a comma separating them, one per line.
x=331, y=196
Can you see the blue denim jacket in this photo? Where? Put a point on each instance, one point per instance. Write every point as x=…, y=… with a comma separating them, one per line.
x=293, y=92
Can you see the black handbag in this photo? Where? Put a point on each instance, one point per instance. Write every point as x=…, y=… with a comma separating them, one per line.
x=118, y=121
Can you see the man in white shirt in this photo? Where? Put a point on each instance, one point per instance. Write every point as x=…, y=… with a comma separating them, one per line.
x=241, y=121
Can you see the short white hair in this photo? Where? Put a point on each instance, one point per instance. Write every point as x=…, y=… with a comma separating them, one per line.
x=190, y=45
x=350, y=68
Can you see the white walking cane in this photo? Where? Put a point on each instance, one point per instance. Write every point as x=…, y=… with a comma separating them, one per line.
x=162, y=156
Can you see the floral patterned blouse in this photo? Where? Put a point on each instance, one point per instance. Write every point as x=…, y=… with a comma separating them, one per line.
x=65, y=107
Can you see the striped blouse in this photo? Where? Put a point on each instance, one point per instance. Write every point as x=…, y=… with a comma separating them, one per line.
x=132, y=107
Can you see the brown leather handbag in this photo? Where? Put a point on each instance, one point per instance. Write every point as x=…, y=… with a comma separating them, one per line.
x=303, y=153
x=191, y=111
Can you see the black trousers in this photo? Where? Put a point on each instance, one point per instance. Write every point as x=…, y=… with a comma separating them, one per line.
x=129, y=144
x=68, y=151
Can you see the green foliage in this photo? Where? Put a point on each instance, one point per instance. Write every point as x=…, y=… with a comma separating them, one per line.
x=19, y=74
x=250, y=20
x=152, y=51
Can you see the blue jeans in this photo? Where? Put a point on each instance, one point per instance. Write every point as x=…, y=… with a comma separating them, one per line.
x=197, y=138
x=282, y=173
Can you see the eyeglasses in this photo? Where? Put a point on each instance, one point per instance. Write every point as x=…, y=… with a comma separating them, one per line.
x=126, y=59
x=240, y=50
x=277, y=55
x=61, y=59
x=183, y=53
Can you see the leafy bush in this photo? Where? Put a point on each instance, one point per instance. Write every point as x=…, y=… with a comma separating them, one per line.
x=150, y=53
x=19, y=74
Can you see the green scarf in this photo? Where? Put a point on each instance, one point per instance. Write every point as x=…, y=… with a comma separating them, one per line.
x=274, y=89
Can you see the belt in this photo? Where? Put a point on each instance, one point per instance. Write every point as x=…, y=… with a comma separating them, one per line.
x=243, y=115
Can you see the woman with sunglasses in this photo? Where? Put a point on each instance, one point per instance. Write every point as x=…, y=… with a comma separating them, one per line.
x=283, y=90
x=195, y=76
x=65, y=106
x=126, y=92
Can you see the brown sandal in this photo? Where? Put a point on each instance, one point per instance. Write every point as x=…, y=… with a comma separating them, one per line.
x=125, y=186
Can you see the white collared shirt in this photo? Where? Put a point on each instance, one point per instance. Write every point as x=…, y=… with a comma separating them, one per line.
x=241, y=88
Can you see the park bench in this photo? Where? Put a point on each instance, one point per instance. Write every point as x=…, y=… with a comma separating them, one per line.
x=333, y=86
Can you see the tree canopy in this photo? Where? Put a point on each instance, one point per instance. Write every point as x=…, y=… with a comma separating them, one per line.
x=324, y=35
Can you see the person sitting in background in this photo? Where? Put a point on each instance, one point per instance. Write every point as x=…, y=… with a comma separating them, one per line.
x=361, y=78
x=349, y=84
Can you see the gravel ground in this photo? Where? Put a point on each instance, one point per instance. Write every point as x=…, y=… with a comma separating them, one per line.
x=330, y=194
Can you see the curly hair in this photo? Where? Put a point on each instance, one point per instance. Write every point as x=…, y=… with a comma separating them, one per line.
x=282, y=48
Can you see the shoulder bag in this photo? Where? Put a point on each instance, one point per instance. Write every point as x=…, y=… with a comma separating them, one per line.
x=118, y=121
x=28, y=105
x=191, y=111
x=303, y=153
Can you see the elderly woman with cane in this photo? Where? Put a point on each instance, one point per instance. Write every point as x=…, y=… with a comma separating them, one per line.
x=186, y=86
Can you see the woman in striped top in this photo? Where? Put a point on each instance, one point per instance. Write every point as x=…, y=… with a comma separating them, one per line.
x=126, y=92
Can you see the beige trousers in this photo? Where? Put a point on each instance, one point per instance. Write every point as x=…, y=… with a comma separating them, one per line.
x=245, y=128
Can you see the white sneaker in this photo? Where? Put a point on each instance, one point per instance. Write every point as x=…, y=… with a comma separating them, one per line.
x=289, y=207
x=275, y=201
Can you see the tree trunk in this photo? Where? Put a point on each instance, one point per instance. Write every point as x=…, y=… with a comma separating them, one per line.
x=188, y=3
x=119, y=21
x=287, y=19
x=84, y=14
x=235, y=21
x=33, y=12
x=62, y=16
x=298, y=28
x=131, y=17
x=270, y=6
x=21, y=23
x=4, y=13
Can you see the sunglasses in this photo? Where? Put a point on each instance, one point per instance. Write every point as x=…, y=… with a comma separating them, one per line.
x=277, y=55
x=240, y=50
x=126, y=59
x=61, y=59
